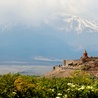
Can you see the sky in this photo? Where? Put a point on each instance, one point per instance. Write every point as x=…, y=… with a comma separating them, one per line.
x=34, y=12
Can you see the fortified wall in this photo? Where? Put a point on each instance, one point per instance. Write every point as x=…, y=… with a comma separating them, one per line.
x=71, y=62
x=75, y=62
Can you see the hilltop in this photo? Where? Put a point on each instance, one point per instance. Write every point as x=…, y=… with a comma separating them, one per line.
x=85, y=63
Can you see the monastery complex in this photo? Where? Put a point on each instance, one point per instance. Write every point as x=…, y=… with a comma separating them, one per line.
x=85, y=63
x=85, y=58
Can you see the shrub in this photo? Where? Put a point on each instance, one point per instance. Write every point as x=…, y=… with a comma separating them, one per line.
x=79, y=85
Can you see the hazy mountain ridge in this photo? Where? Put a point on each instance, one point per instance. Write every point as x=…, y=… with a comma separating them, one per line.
x=63, y=38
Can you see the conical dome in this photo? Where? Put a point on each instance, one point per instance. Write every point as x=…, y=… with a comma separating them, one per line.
x=85, y=55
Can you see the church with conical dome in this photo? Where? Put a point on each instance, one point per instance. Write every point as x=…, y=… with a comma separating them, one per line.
x=85, y=55
x=83, y=59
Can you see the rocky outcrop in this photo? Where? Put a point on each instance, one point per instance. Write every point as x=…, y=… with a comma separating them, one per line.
x=59, y=73
x=85, y=63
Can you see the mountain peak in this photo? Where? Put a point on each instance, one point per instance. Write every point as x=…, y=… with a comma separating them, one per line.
x=77, y=24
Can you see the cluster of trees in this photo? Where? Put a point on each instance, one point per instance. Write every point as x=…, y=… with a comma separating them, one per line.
x=78, y=85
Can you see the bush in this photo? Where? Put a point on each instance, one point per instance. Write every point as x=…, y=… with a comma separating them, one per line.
x=79, y=85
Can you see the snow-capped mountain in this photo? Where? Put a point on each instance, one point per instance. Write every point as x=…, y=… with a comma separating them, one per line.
x=64, y=36
x=61, y=22
x=71, y=23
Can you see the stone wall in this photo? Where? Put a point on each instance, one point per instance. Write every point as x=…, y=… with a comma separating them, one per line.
x=70, y=62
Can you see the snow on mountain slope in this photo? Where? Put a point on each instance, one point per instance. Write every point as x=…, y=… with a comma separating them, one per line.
x=71, y=23
x=62, y=22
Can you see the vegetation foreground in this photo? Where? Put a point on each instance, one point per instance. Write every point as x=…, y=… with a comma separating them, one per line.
x=78, y=85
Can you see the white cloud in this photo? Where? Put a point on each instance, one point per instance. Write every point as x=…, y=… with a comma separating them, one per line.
x=40, y=58
x=34, y=12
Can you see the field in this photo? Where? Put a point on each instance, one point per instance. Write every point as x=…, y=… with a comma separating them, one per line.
x=78, y=85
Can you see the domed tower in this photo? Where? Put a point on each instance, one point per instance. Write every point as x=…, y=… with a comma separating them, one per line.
x=85, y=55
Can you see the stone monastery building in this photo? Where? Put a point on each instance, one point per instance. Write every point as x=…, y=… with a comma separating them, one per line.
x=80, y=61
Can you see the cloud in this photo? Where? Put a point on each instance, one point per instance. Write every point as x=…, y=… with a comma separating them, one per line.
x=34, y=12
x=40, y=58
